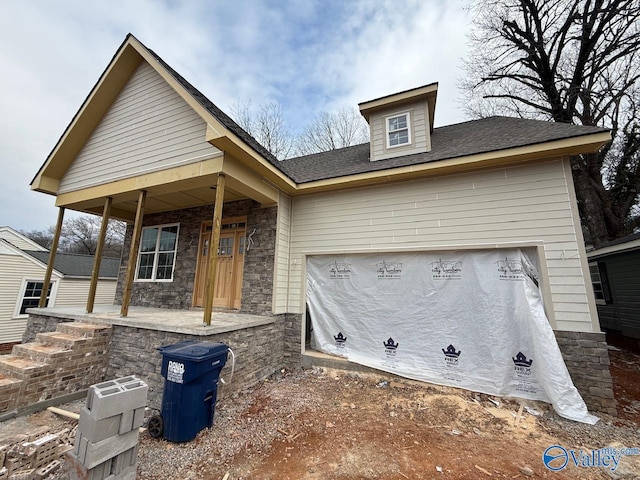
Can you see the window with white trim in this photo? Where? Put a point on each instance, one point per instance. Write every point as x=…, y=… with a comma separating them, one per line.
x=30, y=297
x=398, y=130
x=157, y=255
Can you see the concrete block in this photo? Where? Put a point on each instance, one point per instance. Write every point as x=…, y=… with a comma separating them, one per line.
x=126, y=422
x=138, y=417
x=99, y=452
x=97, y=430
x=100, y=472
x=44, y=472
x=124, y=460
x=111, y=398
x=128, y=473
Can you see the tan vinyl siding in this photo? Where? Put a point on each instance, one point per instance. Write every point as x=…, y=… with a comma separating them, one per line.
x=527, y=203
x=281, y=274
x=148, y=128
x=420, y=138
x=74, y=292
x=15, y=269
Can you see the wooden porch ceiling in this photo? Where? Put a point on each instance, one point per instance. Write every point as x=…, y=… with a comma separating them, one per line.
x=124, y=205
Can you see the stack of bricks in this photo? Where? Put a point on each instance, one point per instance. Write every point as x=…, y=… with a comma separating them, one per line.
x=57, y=364
x=34, y=456
x=106, y=444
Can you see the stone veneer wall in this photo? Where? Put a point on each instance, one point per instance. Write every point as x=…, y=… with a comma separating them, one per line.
x=587, y=360
x=257, y=286
x=292, y=339
x=258, y=350
x=40, y=324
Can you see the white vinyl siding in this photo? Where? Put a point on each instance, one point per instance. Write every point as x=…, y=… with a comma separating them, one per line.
x=281, y=275
x=15, y=270
x=74, y=292
x=528, y=203
x=19, y=241
x=419, y=136
x=148, y=128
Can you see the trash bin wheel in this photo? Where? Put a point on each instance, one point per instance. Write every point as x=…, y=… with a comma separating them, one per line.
x=155, y=426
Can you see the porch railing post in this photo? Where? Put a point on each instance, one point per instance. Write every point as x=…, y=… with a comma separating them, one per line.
x=133, y=252
x=213, y=250
x=52, y=258
x=95, y=273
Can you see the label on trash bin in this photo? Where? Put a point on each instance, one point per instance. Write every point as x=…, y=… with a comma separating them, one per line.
x=175, y=372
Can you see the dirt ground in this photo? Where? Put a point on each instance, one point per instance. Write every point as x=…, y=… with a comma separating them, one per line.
x=329, y=424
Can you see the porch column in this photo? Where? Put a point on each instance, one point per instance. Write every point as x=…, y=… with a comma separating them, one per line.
x=213, y=250
x=98, y=255
x=52, y=258
x=133, y=252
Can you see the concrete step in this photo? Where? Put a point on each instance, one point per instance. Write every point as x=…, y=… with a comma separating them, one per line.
x=21, y=368
x=83, y=329
x=60, y=339
x=40, y=352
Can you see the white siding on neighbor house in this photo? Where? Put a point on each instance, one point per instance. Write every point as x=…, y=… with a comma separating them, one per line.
x=148, y=128
x=18, y=241
x=420, y=136
x=527, y=203
x=74, y=292
x=14, y=270
x=281, y=274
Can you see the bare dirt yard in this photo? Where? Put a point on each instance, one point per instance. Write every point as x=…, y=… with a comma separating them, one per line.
x=329, y=424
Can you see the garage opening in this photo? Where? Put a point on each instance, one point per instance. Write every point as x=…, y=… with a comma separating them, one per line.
x=472, y=319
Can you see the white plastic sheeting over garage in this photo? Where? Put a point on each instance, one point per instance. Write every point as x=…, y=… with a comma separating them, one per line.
x=469, y=319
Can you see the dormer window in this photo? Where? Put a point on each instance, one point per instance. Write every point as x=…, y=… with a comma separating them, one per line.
x=398, y=130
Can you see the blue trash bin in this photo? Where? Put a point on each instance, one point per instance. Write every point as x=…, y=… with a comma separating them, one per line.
x=191, y=370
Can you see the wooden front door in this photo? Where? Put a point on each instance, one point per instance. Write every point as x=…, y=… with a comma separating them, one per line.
x=228, y=282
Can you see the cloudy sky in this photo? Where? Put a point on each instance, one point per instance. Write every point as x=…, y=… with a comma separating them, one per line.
x=307, y=55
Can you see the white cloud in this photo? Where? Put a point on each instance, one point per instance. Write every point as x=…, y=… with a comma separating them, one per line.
x=308, y=55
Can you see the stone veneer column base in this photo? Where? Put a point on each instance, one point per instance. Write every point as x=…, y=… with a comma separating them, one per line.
x=587, y=359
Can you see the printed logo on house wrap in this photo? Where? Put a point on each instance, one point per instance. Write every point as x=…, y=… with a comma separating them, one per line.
x=556, y=457
x=389, y=271
x=518, y=270
x=340, y=340
x=451, y=363
x=525, y=379
x=339, y=270
x=446, y=269
x=390, y=352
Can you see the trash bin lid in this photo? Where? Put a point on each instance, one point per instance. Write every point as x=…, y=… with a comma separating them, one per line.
x=194, y=351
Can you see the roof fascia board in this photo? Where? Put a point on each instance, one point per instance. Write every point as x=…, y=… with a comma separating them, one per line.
x=225, y=140
x=248, y=183
x=102, y=95
x=621, y=248
x=431, y=90
x=570, y=146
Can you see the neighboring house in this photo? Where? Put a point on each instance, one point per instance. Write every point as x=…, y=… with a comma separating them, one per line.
x=152, y=150
x=22, y=268
x=615, y=275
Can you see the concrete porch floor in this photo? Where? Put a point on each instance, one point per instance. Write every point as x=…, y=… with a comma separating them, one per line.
x=160, y=319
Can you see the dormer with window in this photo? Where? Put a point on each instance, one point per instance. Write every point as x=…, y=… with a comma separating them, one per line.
x=401, y=124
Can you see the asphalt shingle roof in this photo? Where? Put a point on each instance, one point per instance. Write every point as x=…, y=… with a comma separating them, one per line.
x=452, y=141
x=75, y=265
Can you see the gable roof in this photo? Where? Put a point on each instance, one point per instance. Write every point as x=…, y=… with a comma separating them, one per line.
x=74, y=265
x=452, y=141
x=19, y=240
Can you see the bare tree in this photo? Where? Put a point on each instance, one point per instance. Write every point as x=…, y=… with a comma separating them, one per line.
x=80, y=235
x=330, y=131
x=267, y=125
x=572, y=61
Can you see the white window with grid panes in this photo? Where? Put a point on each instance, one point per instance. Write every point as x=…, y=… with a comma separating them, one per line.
x=157, y=256
x=398, y=130
x=30, y=296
